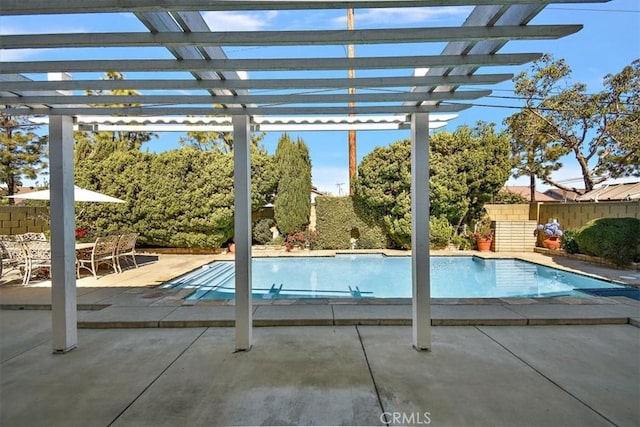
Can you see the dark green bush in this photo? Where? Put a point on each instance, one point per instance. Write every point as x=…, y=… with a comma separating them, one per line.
x=262, y=231
x=440, y=232
x=615, y=239
x=277, y=241
x=568, y=242
x=463, y=243
x=338, y=219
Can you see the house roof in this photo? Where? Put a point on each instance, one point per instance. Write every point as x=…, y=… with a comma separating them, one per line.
x=562, y=195
x=613, y=192
x=525, y=192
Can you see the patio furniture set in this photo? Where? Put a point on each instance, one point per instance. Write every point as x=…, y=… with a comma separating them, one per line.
x=32, y=251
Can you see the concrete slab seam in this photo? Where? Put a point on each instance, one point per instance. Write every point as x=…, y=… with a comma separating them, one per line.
x=373, y=379
x=26, y=307
x=168, y=314
x=144, y=390
x=545, y=376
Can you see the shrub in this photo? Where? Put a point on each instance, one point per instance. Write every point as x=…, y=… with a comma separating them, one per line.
x=440, y=232
x=568, y=242
x=509, y=197
x=615, y=239
x=301, y=239
x=463, y=243
x=277, y=241
x=262, y=231
x=338, y=217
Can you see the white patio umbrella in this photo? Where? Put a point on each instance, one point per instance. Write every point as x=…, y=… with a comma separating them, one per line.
x=79, y=194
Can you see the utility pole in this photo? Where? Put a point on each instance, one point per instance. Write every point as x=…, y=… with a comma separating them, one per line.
x=351, y=53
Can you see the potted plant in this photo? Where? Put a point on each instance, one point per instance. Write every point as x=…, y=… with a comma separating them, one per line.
x=550, y=234
x=483, y=234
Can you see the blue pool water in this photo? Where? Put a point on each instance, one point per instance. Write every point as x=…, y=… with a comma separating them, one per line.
x=378, y=276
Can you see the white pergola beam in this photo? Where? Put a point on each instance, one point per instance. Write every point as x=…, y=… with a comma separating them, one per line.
x=9, y=83
x=23, y=7
x=214, y=111
x=239, y=99
x=179, y=22
x=286, y=38
x=271, y=64
x=490, y=15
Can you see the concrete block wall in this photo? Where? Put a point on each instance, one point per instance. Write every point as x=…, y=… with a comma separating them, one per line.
x=514, y=236
x=508, y=212
x=23, y=219
x=573, y=215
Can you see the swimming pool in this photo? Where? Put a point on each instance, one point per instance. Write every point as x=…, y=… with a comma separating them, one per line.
x=379, y=276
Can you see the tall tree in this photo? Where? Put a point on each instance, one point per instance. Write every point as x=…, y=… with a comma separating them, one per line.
x=293, y=197
x=22, y=154
x=601, y=130
x=467, y=167
x=222, y=142
x=100, y=145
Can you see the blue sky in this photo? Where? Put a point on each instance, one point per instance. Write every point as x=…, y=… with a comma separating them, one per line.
x=609, y=41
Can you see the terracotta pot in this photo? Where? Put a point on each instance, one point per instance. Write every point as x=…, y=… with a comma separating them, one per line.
x=232, y=248
x=552, y=242
x=484, y=245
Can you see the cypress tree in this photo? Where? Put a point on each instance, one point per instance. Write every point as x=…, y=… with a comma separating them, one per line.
x=293, y=198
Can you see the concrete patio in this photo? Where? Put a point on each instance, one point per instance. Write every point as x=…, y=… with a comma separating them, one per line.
x=323, y=375
x=148, y=357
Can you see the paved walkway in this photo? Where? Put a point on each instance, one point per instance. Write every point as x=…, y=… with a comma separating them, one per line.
x=501, y=362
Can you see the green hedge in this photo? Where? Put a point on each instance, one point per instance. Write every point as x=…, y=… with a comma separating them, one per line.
x=338, y=217
x=615, y=239
x=178, y=198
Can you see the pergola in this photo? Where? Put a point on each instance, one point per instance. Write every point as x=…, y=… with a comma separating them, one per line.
x=223, y=97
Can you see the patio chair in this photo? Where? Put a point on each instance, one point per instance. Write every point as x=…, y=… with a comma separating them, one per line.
x=102, y=252
x=14, y=255
x=38, y=256
x=27, y=237
x=126, y=248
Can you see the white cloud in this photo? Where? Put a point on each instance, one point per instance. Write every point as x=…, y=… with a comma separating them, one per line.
x=232, y=21
x=7, y=55
x=327, y=178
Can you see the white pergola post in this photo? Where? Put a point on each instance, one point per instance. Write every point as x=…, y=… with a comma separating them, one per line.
x=63, y=273
x=242, y=229
x=420, y=278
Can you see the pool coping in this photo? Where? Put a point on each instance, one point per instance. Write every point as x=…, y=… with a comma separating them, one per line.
x=147, y=308
x=127, y=303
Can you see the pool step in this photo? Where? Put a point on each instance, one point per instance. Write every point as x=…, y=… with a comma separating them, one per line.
x=201, y=275
x=211, y=283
